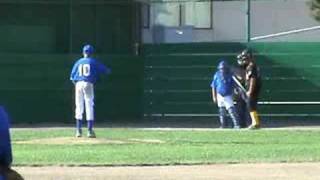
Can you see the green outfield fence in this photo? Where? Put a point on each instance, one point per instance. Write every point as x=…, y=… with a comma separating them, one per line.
x=63, y=26
x=167, y=80
x=41, y=39
x=36, y=88
x=177, y=78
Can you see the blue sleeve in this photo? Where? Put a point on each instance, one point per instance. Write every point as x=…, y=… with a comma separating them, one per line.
x=74, y=71
x=5, y=142
x=214, y=81
x=103, y=69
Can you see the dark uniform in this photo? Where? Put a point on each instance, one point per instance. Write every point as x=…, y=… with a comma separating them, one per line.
x=253, y=85
x=252, y=71
x=241, y=104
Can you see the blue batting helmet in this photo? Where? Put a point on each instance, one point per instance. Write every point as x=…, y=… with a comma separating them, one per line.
x=87, y=49
x=223, y=64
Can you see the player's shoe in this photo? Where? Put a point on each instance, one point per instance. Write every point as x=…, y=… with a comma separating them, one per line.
x=253, y=127
x=236, y=127
x=91, y=134
x=78, y=133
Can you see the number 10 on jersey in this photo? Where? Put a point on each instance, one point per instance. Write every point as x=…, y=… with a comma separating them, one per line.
x=84, y=70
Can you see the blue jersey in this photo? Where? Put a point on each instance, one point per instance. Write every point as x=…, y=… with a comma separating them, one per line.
x=88, y=69
x=5, y=143
x=223, y=83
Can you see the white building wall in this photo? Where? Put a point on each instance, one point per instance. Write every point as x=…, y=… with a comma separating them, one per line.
x=229, y=21
x=285, y=15
x=267, y=17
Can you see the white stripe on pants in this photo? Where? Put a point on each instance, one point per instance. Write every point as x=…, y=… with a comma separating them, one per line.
x=84, y=96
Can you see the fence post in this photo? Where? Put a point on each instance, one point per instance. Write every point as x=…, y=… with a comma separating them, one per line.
x=248, y=21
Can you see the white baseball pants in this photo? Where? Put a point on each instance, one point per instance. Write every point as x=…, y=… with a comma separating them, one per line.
x=84, y=98
x=225, y=101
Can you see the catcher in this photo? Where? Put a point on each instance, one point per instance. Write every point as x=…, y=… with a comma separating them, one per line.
x=222, y=94
x=253, y=84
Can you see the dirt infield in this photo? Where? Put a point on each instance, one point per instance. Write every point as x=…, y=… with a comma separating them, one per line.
x=283, y=171
x=73, y=140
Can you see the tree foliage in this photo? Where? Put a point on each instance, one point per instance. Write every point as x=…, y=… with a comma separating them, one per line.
x=315, y=8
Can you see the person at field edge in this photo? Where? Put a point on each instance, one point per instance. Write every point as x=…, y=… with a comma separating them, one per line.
x=6, y=173
x=253, y=85
x=222, y=94
x=84, y=75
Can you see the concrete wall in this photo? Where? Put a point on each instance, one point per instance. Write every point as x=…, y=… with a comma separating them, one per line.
x=285, y=15
x=267, y=17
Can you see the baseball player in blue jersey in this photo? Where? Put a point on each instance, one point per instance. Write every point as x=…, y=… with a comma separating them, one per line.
x=84, y=75
x=6, y=173
x=222, y=93
x=5, y=145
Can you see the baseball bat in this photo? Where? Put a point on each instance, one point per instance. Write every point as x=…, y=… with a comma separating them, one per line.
x=241, y=88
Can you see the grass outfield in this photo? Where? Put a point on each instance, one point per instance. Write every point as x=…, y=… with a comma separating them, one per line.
x=156, y=147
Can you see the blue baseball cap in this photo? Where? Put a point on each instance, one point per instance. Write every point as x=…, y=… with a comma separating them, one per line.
x=87, y=49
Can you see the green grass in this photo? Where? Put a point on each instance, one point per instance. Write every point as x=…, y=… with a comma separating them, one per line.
x=174, y=147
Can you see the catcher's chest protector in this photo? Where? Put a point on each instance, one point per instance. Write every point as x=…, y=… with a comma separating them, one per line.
x=5, y=144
